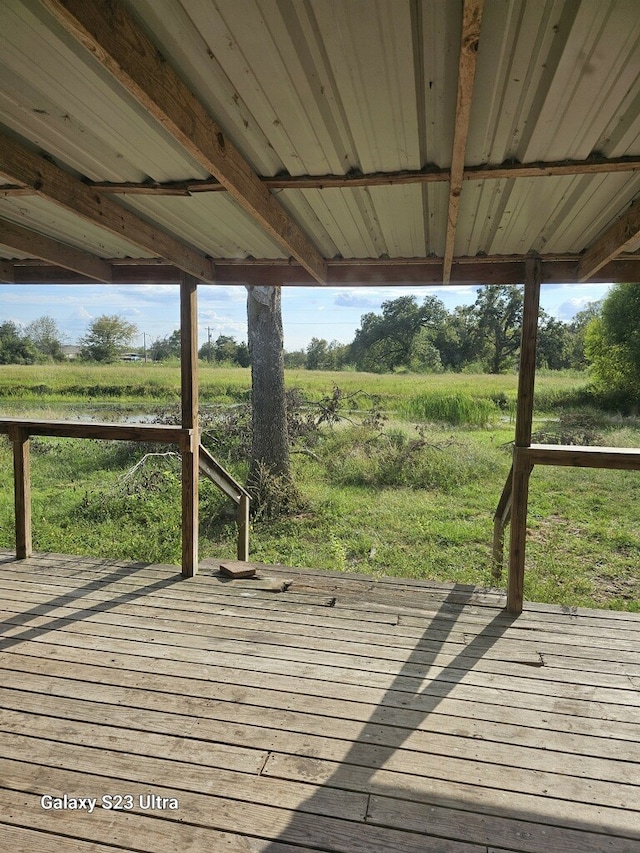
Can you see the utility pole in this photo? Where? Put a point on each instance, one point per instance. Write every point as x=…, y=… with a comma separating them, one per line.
x=144, y=346
x=209, y=343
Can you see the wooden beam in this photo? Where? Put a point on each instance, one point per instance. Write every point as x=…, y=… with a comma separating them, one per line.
x=53, y=183
x=13, y=190
x=30, y=242
x=471, y=21
x=189, y=408
x=22, y=492
x=428, y=175
x=555, y=168
x=575, y=456
x=524, y=417
x=618, y=238
x=351, y=272
x=111, y=34
x=161, y=433
x=7, y=275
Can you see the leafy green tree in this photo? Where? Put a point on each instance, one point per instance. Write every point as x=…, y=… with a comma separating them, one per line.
x=243, y=358
x=45, y=335
x=578, y=328
x=207, y=352
x=612, y=343
x=165, y=348
x=456, y=341
x=321, y=355
x=317, y=354
x=15, y=348
x=425, y=356
x=225, y=349
x=497, y=314
x=555, y=343
x=106, y=338
x=387, y=341
x=295, y=359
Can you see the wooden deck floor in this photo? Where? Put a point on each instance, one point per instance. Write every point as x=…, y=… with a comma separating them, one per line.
x=344, y=714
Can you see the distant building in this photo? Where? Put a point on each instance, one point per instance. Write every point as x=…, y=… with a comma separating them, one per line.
x=71, y=351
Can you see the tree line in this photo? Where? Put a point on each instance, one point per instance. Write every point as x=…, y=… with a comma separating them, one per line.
x=405, y=335
x=426, y=337
x=105, y=341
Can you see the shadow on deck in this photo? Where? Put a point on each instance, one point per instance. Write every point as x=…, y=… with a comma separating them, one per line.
x=346, y=715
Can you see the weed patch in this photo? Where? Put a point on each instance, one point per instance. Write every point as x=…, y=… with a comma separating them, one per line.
x=455, y=409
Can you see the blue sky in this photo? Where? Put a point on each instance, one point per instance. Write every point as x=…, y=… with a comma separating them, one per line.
x=332, y=313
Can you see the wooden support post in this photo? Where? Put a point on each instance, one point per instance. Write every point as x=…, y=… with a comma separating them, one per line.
x=189, y=402
x=22, y=491
x=243, y=527
x=524, y=420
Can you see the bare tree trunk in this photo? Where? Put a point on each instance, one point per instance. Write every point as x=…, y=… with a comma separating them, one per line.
x=270, y=443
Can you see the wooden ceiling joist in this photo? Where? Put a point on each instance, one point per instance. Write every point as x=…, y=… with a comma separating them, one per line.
x=30, y=243
x=620, y=237
x=471, y=21
x=112, y=35
x=428, y=175
x=365, y=272
x=21, y=165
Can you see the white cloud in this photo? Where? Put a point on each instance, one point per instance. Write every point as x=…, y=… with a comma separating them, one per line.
x=567, y=310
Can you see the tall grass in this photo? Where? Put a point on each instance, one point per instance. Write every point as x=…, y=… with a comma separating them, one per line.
x=455, y=409
x=385, y=500
x=161, y=382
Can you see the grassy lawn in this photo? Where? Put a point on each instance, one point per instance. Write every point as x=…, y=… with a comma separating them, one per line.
x=393, y=502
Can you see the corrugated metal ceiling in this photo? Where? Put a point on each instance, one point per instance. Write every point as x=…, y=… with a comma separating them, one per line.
x=329, y=86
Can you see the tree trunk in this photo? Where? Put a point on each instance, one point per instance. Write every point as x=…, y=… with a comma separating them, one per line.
x=270, y=443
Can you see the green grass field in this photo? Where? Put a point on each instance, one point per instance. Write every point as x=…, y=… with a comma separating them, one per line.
x=413, y=499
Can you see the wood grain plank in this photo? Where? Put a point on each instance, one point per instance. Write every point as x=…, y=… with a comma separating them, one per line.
x=618, y=458
x=523, y=835
x=94, y=429
x=143, y=772
x=373, y=736
x=131, y=832
x=468, y=644
x=539, y=711
x=564, y=686
x=622, y=233
x=224, y=815
x=524, y=418
x=23, y=593
x=472, y=795
x=469, y=38
x=455, y=768
x=182, y=614
x=297, y=716
x=433, y=714
x=264, y=646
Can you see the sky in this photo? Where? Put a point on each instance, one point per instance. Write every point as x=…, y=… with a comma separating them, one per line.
x=333, y=313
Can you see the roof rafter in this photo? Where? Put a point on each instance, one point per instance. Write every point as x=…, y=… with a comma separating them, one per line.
x=19, y=164
x=471, y=21
x=618, y=238
x=47, y=249
x=112, y=35
x=508, y=170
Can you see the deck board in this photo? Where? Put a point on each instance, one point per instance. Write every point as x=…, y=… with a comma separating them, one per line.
x=346, y=714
